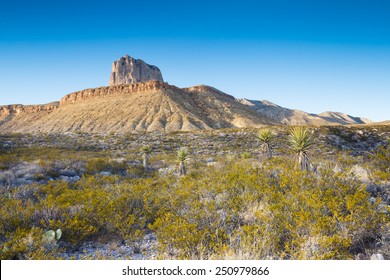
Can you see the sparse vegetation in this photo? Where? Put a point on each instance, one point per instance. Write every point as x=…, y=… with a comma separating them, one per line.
x=228, y=206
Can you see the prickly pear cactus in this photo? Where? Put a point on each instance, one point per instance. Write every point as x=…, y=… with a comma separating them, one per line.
x=58, y=233
x=50, y=235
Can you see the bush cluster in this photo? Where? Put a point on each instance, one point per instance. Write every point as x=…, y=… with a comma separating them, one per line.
x=242, y=206
x=239, y=210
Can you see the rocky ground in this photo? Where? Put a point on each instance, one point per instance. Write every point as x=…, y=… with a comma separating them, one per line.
x=25, y=160
x=358, y=140
x=115, y=250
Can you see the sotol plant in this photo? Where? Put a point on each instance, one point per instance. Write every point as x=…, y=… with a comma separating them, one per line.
x=300, y=142
x=146, y=150
x=265, y=138
x=181, y=157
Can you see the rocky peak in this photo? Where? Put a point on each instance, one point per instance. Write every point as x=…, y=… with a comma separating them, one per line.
x=128, y=70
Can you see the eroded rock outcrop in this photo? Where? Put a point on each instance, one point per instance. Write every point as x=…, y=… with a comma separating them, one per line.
x=86, y=94
x=18, y=109
x=128, y=70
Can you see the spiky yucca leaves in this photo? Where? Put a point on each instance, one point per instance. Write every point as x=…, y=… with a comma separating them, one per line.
x=146, y=150
x=181, y=157
x=300, y=142
x=266, y=137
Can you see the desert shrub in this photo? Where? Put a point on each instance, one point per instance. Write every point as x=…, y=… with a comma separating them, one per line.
x=380, y=160
x=246, y=155
x=49, y=169
x=94, y=166
x=177, y=234
x=5, y=161
x=30, y=244
x=250, y=212
x=233, y=208
x=138, y=171
x=96, y=209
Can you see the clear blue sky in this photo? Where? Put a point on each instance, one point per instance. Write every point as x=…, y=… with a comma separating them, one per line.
x=310, y=55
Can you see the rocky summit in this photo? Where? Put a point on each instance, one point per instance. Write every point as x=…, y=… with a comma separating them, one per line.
x=128, y=70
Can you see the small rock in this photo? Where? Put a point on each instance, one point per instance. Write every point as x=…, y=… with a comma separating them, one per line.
x=69, y=179
x=377, y=257
x=372, y=189
x=68, y=173
x=383, y=208
x=361, y=256
x=360, y=173
x=337, y=169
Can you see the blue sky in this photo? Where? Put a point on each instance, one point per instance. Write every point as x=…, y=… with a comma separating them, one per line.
x=310, y=55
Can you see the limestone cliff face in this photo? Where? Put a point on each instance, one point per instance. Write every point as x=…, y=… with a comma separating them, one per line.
x=128, y=70
x=87, y=94
x=19, y=109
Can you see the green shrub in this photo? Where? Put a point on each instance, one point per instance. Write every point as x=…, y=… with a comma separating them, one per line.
x=30, y=244
x=380, y=160
x=95, y=166
x=289, y=215
x=235, y=208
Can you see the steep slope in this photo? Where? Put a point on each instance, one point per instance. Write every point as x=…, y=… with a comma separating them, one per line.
x=283, y=115
x=224, y=110
x=145, y=106
x=287, y=116
x=19, y=117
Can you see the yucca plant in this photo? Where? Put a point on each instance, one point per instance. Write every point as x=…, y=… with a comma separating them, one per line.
x=146, y=150
x=265, y=138
x=300, y=142
x=181, y=157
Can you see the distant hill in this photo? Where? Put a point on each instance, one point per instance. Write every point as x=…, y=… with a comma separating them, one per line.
x=287, y=116
x=344, y=118
x=381, y=123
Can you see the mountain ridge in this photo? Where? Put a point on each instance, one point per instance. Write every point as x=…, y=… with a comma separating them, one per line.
x=155, y=105
x=145, y=106
x=138, y=99
x=297, y=117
